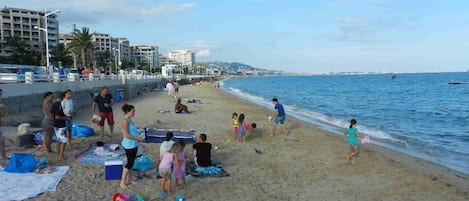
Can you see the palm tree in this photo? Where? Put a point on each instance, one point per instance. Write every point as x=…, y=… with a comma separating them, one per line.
x=82, y=44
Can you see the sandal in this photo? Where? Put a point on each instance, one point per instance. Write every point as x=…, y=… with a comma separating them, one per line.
x=163, y=195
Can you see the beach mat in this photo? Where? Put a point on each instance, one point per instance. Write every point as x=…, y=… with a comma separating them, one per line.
x=91, y=155
x=14, y=186
x=154, y=135
x=201, y=172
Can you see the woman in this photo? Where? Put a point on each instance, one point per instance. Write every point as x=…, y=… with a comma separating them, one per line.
x=47, y=121
x=129, y=142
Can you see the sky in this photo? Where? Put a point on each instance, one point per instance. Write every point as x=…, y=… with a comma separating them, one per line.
x=313, y=36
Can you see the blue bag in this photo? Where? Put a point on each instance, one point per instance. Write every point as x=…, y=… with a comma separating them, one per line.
x=21, y=163
x=81, y=131
x=142, y=163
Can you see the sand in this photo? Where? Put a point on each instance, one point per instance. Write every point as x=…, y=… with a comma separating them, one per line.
x=307, y=164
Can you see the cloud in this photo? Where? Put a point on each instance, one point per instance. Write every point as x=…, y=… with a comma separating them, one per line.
x=201, y=48
x=102, y=11
x=355, y=29
x=203, y=53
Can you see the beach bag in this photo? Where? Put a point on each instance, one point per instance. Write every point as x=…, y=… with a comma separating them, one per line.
x=142, y=163
x=81, y=131
x=366, y=140
x=21, y=163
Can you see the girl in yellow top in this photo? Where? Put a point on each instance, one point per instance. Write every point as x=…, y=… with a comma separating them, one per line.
x=234, y=127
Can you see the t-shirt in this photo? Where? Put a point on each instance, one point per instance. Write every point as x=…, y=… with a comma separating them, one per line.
x=58, y=110
x=165, y=146
x=281, y=111
x=99, y=100
x=203, y=154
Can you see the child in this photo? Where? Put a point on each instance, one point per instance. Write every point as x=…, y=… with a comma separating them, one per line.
x=352, y=140
x=179, y=168
x=234, y=127
x=241, y=129
x=165, y=169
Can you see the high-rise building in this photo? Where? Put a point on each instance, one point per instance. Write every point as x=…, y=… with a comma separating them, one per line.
x=21, y=23
x=146, y=54
x=186, y=58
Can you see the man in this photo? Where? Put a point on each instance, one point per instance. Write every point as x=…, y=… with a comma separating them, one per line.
x=278, y=117
x=60, y=124
x=202, y=151
x=104, y=101
x=170, y=87
x=2, y=138
x=61, y=71
x=67, y=105
x=166, y=145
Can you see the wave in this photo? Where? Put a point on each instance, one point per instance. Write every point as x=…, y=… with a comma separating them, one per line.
x=325, y=122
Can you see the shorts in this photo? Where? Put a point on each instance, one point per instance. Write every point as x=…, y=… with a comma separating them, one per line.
x=106, y=115
x=234, y=129
x=61, y=134
x=164, y=172
x=69, y=124
x=279, y=120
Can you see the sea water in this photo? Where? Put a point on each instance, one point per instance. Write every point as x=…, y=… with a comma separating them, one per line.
x=418, y=114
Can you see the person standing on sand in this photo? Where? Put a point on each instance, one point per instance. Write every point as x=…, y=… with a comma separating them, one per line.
x=2, y=138
x=234, y=126
x=60, y=124
x=170, y=87
x=352, y=140
x=241, y=128
x=166, y=145
x=278, y=117
x=47, y=121
x=104, y=101
x=129, y=142
x=67, y=105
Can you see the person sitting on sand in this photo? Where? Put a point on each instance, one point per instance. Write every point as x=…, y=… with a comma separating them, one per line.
x=202, y=149
x=179, y=107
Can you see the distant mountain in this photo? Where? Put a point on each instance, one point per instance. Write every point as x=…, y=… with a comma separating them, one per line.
x=227, y=66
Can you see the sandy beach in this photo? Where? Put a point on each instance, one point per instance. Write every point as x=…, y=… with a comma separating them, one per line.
x=307, y=164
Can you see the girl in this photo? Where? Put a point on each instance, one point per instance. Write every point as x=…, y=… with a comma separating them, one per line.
x=129, y=142
x=165, y=169
x=234, y=127
x=179, y=168
x=241, y=129
x=352, y=140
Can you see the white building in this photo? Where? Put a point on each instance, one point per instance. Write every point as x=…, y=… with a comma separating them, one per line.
x=184, y=57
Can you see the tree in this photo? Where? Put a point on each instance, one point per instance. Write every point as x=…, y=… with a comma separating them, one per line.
x=82, y=45
x=20, y=52
x=63, y=54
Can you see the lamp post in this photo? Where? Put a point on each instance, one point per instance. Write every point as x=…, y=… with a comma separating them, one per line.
x=47, y=14
x=116, y=58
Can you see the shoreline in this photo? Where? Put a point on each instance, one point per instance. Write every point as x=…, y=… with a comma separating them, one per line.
x=420, y=165
x=307, y=164
x=427, y=167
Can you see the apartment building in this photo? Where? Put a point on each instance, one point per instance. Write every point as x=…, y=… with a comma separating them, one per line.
x=186, y=58
x=146, y=54
x=26, y=24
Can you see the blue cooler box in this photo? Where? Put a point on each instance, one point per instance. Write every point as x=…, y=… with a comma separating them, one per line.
x=113, y=169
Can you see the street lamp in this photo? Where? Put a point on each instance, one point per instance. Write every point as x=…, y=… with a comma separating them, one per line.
x=47, y=34
x=117, y=63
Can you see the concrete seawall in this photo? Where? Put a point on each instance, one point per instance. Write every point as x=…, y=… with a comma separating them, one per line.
x=23, y=102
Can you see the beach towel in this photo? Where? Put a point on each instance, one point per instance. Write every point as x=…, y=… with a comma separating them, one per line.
x=154, y=135
x=215, y=170
x=22, y=186
x=97, y=155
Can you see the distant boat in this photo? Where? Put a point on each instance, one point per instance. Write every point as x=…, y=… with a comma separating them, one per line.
x=457, y=82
